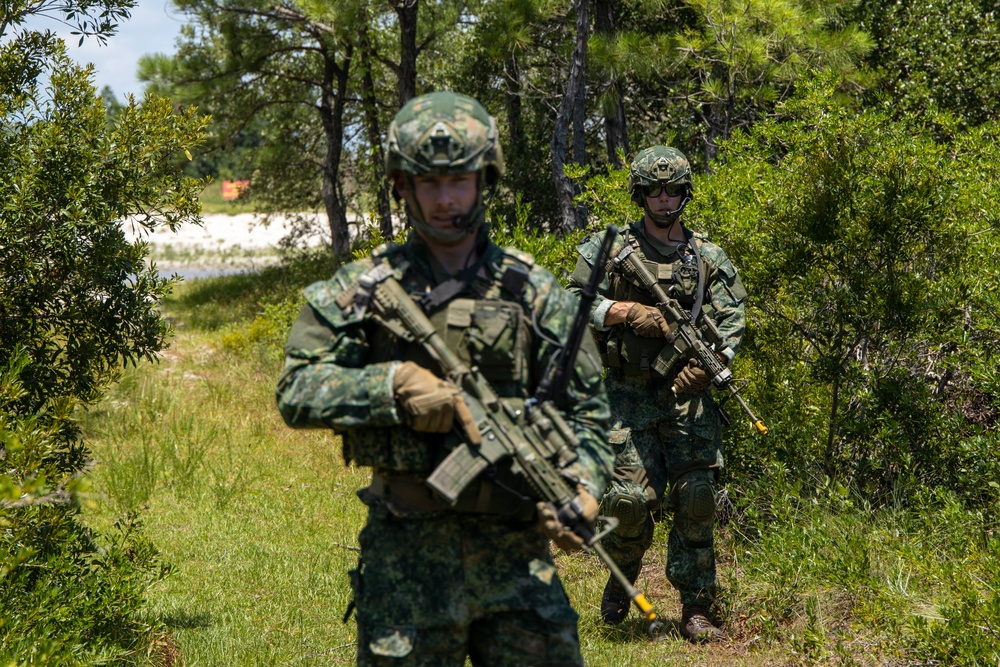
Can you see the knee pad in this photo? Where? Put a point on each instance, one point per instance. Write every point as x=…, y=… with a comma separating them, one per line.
x=694, y=495
x=630, y=511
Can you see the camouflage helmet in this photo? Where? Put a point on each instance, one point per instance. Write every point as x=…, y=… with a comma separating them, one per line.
x=444, y=133
x=658, y=164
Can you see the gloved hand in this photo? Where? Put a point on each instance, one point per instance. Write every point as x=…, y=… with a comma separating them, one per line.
x=692, y=378
x=432, y=404
x=552, y=528
x=647, y=321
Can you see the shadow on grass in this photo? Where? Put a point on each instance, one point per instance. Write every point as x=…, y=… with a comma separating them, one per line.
x=187, y=621
x=637, y=630
x=211, y=303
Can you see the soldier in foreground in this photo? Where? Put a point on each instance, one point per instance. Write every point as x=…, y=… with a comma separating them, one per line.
x=438, y=582
x=667, y=430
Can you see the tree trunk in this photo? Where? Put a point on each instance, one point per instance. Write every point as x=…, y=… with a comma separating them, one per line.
x=716, y=128
x=571, y=215
x=513, y=77
x=580, y=121
x=615, y=126
x=406, y=10
x=332, y=103
x=370, y=105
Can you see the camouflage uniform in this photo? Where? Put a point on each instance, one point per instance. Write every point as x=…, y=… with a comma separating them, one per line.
x=436, y=583
x=663, y=440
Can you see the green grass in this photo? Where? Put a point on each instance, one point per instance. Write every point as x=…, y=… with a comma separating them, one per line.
x=259, y=525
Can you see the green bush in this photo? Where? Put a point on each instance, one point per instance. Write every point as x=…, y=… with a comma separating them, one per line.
x=71, y=597
x=852, y=232
x=78, y=303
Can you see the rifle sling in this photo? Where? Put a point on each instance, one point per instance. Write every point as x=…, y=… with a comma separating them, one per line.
x=700, y=297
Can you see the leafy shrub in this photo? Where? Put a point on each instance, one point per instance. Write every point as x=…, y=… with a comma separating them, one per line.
x=70, y=597
x=78, y=303
x=850, y=231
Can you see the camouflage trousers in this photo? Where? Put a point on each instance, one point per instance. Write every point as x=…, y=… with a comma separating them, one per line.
x=432, y=590
x=648, y=461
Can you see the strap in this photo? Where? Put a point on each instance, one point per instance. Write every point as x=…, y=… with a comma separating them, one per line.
x=700, y=298
x=450, y=288
x=367, y=284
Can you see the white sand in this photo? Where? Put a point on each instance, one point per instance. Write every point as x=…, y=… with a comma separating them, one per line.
x=224, y=244
x=220, y=233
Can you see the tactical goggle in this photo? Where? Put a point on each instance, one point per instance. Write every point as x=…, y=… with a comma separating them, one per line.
x=672, y=189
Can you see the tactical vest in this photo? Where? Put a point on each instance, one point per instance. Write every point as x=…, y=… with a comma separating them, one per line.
x=621, y=348
x=491, y=334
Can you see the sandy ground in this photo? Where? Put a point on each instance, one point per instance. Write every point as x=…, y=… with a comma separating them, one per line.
x=220, y=232
x=224, y=244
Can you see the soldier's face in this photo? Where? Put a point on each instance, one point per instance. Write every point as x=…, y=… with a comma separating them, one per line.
x=663, y=204
x=442, y=197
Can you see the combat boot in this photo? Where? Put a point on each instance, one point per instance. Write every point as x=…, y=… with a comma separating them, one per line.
x=616, y=602
x=696, y=625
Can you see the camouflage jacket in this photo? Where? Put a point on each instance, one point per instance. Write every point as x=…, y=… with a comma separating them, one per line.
x=339, y=366
x=723, y=301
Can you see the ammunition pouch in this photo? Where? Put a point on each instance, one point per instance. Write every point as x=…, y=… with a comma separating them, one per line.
x=404, y=495
x=394, y=447
x=635, y=355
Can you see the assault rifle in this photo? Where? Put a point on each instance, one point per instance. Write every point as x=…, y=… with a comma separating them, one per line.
x=697, y=339
x=537, y=439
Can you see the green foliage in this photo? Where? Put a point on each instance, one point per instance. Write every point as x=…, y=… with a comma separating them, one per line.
x=70, y=597
x=266, y=334
x=557, y=254
x=849, y=232
x=912, y=585
x=934, y=56
x=78, y=303
x=77, y=295
x=742, y=57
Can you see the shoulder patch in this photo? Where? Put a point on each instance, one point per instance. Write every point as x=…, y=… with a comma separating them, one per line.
x=339, y=290
x=590, y=246
x=520, y=256
x=320, y=294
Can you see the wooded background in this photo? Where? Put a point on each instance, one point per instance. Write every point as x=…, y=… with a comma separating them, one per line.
x=845, y=157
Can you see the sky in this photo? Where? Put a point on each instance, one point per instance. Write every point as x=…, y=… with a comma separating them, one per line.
x=153, y=28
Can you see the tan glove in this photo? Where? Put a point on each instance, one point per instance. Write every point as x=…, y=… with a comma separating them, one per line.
x=692, y=378
x=552, y=528
x=648, y=322
x=432, y=404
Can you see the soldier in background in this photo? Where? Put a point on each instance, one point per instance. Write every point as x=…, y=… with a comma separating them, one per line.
x=437, y=583
x=666, y=430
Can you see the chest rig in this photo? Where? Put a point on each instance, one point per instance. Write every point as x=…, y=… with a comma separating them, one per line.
x=490, y=331
x=487, y=327
x=682, y=276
